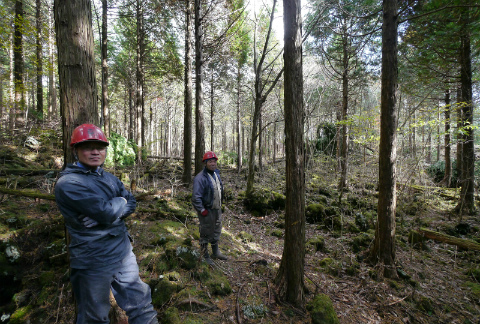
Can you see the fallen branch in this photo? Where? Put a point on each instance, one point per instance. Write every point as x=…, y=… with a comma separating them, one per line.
x=463, y=243
x=27, y=193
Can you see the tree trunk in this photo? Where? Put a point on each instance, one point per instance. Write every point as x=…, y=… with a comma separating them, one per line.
x=448, y=162
x=344, y=127
x=466, y=203
x=212, y=113
x=239, y=121
x=384, y=248
x=290, y=276
x=18, y=61
x=52, y=88
x=105, y=113
x=38, y=17
x=187, y=120
x=139, y=77
x=199, y=64
x=76, y=67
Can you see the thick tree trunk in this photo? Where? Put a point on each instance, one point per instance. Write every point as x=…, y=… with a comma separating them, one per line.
x=76, y=67
x=18, y=61
x=384, y=248
x=187, y=119
x=199, y=62
x=290, y=276
x=466, y=203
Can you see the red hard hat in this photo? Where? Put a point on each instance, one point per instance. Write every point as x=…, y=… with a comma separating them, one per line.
x=87, y=133
x=209, y=155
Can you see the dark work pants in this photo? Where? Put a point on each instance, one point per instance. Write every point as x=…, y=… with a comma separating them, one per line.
x=92, y=291
x=210, y=226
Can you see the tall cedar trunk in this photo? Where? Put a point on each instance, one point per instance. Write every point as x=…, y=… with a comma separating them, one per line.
x=131, y=112
x=466, y=203
x=52, y=89
x=260, y=141
x=38, y=17
x=212, y=113
x=290, y=276
x=448, y=161
x=187, y=120
x=458, y=109
x=239, y=121
x=18, y=61
x=76, y=67
x=106, y=115
x=199, y=63
x=343, y=145
x=139, y=76
x=384, y=247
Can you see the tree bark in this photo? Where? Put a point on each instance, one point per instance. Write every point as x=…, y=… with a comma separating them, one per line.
x=187, y=120
x=384, y=248
x=290, y=276
x=139, y=104
x=18, y=62
x=76, y=67
x=466, y=203
x=105, y=113
x=448, y=161
x=38, y=17
x=440, y=237
x=199, y=65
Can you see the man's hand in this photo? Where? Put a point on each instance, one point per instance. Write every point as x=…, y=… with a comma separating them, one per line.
x=88, y=222
x=204, y=212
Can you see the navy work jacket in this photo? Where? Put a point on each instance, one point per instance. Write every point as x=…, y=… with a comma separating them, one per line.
x=202, y=197
x=96, y=194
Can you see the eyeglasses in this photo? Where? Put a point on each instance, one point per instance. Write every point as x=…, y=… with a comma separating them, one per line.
x=88, y=148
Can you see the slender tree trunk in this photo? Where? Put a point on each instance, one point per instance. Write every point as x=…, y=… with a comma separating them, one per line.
x=199, y=65
x=76, y=67
x=239, y=122
x=38, y=17
x=458, y=109
x=52, y=88
x=448, y=161
x=212, y=112
x=384, y=247
x=139, y=104
x=187, y=120
x=106, y=114
x=344, y=127
x=290, y=276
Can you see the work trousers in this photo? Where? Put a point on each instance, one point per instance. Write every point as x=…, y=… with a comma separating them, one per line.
x=210, y=226
x=91, y=288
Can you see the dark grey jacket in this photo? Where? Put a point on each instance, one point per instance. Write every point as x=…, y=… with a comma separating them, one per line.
x=81, y=193
x=202, y=197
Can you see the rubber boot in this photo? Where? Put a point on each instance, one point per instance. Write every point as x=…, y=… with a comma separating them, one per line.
x=216, y=254
x=206, y=256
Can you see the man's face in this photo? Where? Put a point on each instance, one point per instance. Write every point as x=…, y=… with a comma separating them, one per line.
x=211, y=164
x=91, y=154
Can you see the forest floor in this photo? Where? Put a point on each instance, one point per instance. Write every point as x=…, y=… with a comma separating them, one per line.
x=436, y=284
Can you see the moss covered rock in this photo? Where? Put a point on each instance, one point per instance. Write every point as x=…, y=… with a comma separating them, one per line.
x=315, y=213
x=262, y=202
x=163, y=291
x=322, y=311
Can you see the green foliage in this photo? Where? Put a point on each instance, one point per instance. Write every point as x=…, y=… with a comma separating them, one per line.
x=120, y=151
x=437, y=171
x=326, y=142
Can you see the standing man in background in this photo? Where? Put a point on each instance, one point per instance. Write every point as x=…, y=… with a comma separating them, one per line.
x=94, y=204
x=207, y=201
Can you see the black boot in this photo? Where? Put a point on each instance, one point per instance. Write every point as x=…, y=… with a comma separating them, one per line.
x=216, y=254
x=204, y=251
